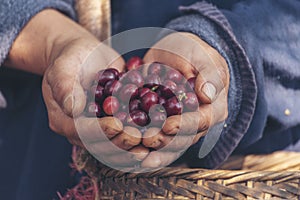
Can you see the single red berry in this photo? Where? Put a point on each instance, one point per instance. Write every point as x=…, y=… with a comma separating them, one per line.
x=134, y=63
x=93, y=109
x=139, y=117
x=173, y=106
x=148, y=100
x=111, y=105
x=106, y=75
x=174, y=76
x=156, y=68
x=134, y=105
x=152, y=80
x=190, y=102
x=112, y=87
x=143, y=91
x=191, y=83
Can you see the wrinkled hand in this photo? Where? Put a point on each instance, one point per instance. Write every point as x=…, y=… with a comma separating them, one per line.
x=193, y=57
x=73, y=65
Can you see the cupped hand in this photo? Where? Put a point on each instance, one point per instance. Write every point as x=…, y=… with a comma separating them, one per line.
x=193, y=57
x=72, y=64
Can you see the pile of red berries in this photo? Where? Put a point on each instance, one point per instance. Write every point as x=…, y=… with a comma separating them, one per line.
x=141, y=100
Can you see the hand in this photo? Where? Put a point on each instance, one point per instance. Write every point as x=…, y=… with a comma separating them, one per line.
x=69, y=58
x=193, y=57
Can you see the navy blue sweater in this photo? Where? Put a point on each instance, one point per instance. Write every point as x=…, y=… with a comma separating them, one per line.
x=260, y=41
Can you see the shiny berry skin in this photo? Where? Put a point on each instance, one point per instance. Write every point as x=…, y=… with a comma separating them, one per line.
x=143, y=91
x=190, y=102
x=157, y=118
x=112, y=87
x=93, y=109
x=134, y=105
x=148, y=100
x=127, y=92
x=191, y=82
x=124, y=107
x=174, y=76
x=121, y=116
x=180, y=89
x=152, y=81
x=167, y=89
x=139, y=117
x=97, y=92
x=111, y=105
x=134, y=77
x=173, y=106
x=107, y=75
x=161, y=100
x=134, y=63
x=156, y=68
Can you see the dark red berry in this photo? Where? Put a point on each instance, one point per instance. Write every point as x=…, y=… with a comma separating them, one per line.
x=139, y=117
x=161, y=100
x=112, y=87
x=148, y=100
x=93, y=109
x=174, y=76
x=134, y=63
x=191, y=82
x=97, y=92
x=180, y=89
x=152, y=81
x=134, y=105
x=190, y=102
x=167, y=89
x=173, y=106
x=127, y=92
x=134, y=77
x=156, y=68
x=143, y=91
x=106, y=75
x=111, y=105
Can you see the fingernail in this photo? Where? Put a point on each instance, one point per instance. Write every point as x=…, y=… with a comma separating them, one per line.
x=209, y=90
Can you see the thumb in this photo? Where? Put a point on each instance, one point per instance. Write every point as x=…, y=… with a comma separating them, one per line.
x=66, y=91
x=74, y=100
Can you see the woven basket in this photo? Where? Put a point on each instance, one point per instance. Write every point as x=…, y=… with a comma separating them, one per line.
x=274, y=176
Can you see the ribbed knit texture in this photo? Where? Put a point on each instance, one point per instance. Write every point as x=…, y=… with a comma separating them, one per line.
x=209, y=23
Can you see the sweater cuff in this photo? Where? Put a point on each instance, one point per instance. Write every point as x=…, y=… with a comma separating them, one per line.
x=210, y=24
x=14, y=15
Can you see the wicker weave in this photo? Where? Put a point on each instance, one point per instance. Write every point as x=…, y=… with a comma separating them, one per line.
x=266, y=177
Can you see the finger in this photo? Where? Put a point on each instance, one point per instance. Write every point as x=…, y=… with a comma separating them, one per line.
x=59, y=122
x=126, y=159
x=108, y=58
x=157, y=159
x=189, y=123
x=128, y=138
x=153, y=138
x=177, y=62
x=97, y=129
x=140, y=152
x=90, y=129
x=162, y=141
x=209, y=83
